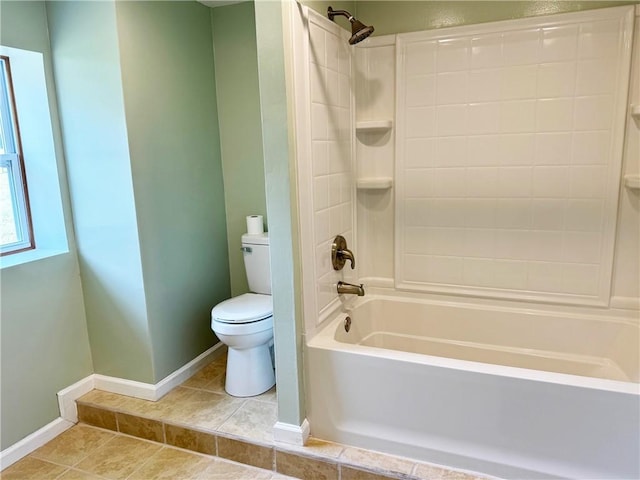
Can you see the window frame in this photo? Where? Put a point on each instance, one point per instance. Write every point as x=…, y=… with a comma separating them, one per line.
x=15, y=163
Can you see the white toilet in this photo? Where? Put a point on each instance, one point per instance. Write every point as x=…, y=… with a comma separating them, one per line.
x=245, y=324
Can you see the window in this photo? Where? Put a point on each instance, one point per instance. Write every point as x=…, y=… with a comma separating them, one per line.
x=16, y=232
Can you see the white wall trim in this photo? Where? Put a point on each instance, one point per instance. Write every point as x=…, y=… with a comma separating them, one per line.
x=67, y=398
x=174, y=379
x=290, y=433
x=69, y=411
x=131, y=388
x=28, y=444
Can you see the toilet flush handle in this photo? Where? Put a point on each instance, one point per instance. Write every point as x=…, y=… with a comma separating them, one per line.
x=246, y=249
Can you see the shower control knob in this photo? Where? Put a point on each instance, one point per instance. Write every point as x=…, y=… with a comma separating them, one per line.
x=340, y=254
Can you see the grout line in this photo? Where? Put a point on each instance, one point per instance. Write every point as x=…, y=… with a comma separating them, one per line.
x=97, y=446
x=63, y=472
x=135, y=470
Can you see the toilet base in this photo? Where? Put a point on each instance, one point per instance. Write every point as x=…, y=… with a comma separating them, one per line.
x=249, y=371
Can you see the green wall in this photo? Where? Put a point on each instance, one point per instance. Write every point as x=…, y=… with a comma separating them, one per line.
x=169, y=87
x=168, y=80
x=280, y=184
x=390, y=17
x=44, y=343
x=137, y=90
x=234, y=43
x=88, y=77
x=321, y=6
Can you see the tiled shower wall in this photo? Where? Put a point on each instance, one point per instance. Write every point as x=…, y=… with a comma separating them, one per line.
x=508, y=160
x=331, y=196
x=506, y=146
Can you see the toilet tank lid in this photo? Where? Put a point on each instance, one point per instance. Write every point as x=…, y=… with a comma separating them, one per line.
x=259, y=239
x=246, y=308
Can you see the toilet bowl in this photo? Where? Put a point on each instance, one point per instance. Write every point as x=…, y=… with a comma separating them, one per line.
x=245, y=324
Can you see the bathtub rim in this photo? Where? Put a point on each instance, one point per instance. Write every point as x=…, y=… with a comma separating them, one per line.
x=325, y=339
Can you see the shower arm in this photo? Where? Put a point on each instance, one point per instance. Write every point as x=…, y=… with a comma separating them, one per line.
x=332, y=13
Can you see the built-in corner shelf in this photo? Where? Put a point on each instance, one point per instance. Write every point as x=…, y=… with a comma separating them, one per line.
x=635, y=111
x=632, y=181
x=374, y=183
x=374, y=125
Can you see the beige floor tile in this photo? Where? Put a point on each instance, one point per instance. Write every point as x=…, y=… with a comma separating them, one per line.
x=97, y=416
x=245, y=452
x=119, y=457
x=280, y=476
x=350, y=473
x=305, y=468
x=140, y=427
x=171, y=464
x=216, y=385
x=109, y=400
x=314, y=448
x=253, y=420
x=376, y=461
x=268, y=396
x=73, y=474
x=225, y=470
x=206, y=374
x=30, y=468
x=433, y=472
x=190, y=439
x=163, y=408
x=73, y=445
x=205, y=410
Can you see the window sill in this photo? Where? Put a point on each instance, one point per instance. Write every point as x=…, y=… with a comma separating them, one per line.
x=29, y=256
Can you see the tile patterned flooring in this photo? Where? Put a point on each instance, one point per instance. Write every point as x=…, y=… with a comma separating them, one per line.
x=89, y=453
x=199, y=431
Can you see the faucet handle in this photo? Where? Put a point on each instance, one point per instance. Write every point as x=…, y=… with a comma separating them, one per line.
x=340, y=254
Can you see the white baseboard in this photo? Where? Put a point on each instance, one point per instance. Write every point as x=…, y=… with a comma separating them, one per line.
x=67, y=398
x=171, y=381
x=146, y=391
x=28, y=444
x=69, y=411
x=289, y=433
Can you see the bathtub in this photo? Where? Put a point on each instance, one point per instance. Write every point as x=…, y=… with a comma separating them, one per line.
x=510, y=392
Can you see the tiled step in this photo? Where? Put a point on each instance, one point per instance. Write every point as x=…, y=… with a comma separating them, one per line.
x=317, y=460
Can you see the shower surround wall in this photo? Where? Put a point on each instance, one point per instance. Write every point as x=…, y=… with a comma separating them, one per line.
x=326, y=182
x=500, y=133
x=488, y=206
x=509, y=152
x=505, y=178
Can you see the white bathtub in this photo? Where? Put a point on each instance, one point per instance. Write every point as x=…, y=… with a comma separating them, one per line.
x=509, y=392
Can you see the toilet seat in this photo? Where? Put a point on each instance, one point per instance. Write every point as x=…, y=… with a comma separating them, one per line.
x=246, y=308
x=226, y=328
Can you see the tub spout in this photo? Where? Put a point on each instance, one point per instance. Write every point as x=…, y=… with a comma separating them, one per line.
x=348, y=288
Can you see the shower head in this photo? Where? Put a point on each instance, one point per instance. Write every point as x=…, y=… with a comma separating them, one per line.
x=359, y=31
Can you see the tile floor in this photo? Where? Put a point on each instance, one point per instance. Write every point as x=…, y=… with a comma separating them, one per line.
x=199, y=431
x=89, y=453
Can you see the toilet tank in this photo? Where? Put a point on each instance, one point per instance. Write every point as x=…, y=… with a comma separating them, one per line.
x=255, y=251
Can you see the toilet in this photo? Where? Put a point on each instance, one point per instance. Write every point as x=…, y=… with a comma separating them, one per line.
x=245, y=324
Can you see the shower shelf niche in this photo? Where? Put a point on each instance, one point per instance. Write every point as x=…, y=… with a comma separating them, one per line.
x=374, y=183
x=635, y=111
x=367, y=126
